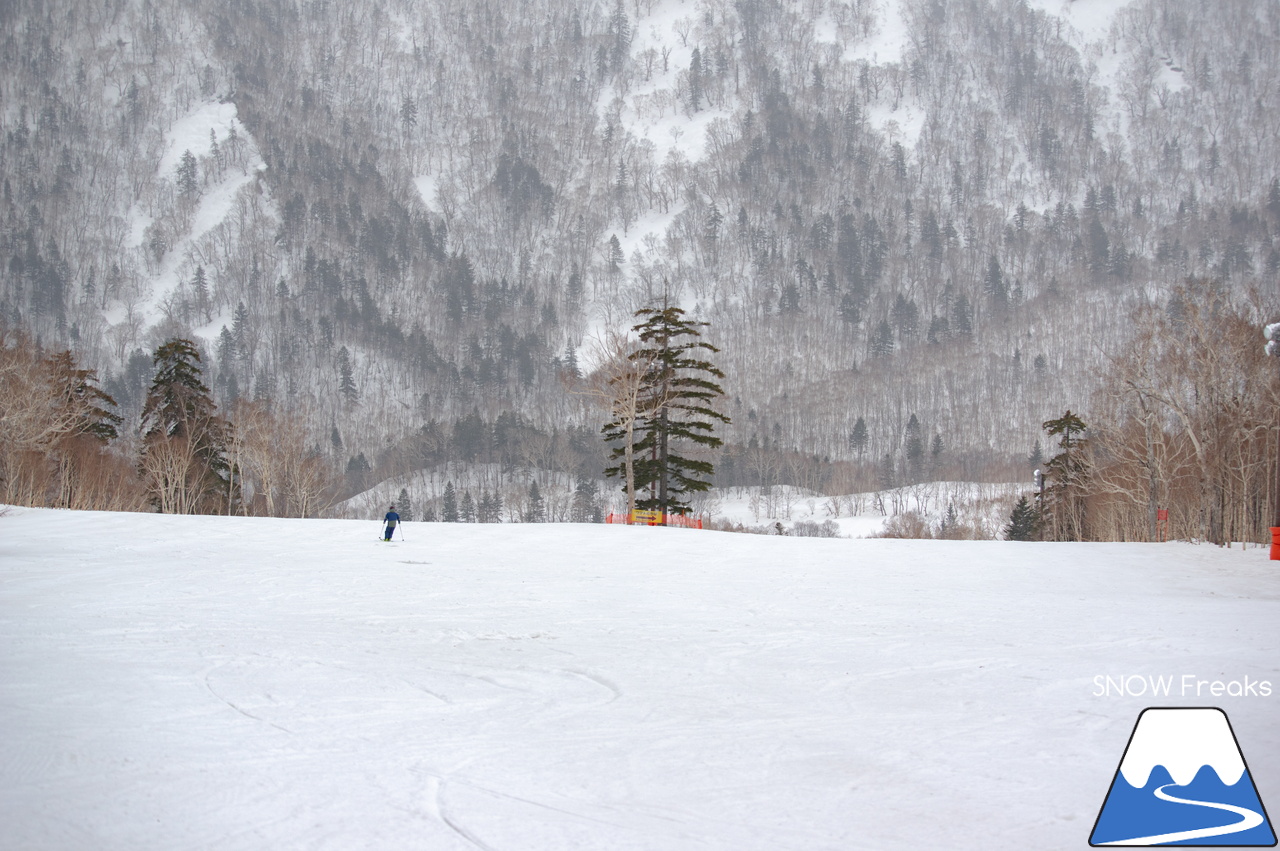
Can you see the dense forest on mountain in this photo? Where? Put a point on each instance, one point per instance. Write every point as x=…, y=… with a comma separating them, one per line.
x=405, y=227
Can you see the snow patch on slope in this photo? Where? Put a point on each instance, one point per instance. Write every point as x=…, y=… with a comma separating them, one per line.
x=1090, y=19
x=654, y=109
x=890, y=39
x=194, y=132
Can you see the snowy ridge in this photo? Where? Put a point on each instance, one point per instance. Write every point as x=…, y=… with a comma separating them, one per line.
x=1183, y=741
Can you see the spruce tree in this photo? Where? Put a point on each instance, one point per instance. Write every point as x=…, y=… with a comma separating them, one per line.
x=188, y=174
x=184, y=454
x=1024, y=522
x=535, y=510
x=858, y=438
x=467, y=510
x=585, y=504
x=77, y=390
x=449, y=510
x=200, y=294
x=346, y=380
x=404, y=506
x=485, y=512
x=678, y=416
x=914, y=449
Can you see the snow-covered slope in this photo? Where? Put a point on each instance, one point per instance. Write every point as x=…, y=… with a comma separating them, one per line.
x=184, y=682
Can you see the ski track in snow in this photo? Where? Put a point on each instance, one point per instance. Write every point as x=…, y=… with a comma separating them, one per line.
x=176, y=682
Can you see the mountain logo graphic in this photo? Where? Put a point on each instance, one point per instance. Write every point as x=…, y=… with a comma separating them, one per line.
x=1183, y=781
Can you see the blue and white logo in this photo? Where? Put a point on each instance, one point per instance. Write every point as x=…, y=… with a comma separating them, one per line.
x=1183, y=781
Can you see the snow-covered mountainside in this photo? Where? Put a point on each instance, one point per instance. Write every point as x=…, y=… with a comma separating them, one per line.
x=241, y=683
x=884, y=208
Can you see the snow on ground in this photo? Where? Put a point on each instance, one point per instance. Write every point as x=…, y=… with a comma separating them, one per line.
x=863, y=515
x=653, y=110
x=890, y=39
x=1089, y=29
x=1090, y=19
x=902, y=121
x=427, y=186
x=193, y=132
x=196, y=682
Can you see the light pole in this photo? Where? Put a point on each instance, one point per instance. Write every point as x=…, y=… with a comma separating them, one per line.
x=1272, y=333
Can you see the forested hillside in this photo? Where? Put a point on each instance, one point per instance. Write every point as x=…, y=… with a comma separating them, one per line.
x=401, y=224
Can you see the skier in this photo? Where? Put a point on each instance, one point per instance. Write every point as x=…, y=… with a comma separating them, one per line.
x=391, y=520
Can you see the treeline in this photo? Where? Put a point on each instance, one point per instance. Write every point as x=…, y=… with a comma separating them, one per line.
x=65, y=446
x=401, y=214
x=56, y=425
x=1181, y=439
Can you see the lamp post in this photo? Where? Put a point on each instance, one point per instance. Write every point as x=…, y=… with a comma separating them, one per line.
x=1272, y=333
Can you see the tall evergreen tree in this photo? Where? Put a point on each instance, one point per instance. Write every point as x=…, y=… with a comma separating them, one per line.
x=678, y=417
x=188, y=174
x=535, y=510
x=586, y=506
x=77, y=390
x=184, y=455
x=1065, y=478
x=913, y=449
x=858, y=438
x=200, y=294
x=346, y=379
x=695, y=81
x=449, y=510
x=882, y=340
x=404, y=506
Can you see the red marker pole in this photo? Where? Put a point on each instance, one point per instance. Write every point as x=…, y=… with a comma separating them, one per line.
x=1272, y=333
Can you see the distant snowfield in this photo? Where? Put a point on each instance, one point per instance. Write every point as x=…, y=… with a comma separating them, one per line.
x=194, y=682
x=1092, y=19
x=193, y=132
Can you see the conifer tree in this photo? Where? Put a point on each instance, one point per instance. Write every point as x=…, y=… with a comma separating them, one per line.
x=78, y=391
x=490, y=508
x=858, y=438
x=404, y=506
x=914, y=449
x=1024, y=522
x=467, y=510
x=485, y=512
x=1065, y=479
x=184, y=456
x=200, y=294
x=188, y=174
x=585, y=505
x=449, y=510
x=677, y=417
x=346, y=381
x=535, y=510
